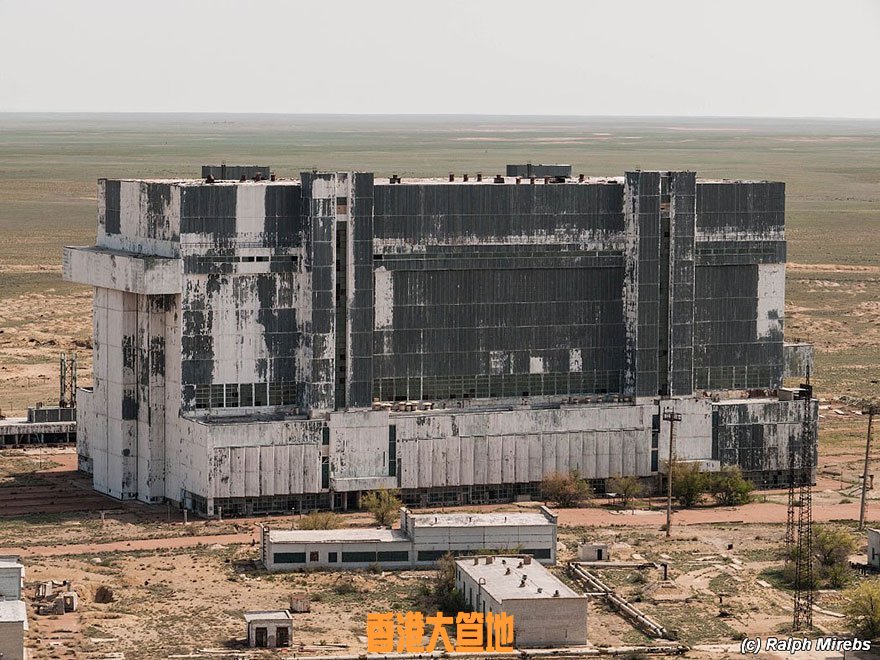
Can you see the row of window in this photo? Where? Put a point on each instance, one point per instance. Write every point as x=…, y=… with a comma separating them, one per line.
x=734, y=377
x=502, y=385
x=347, y=557
x=245, y=395
x=369, y=557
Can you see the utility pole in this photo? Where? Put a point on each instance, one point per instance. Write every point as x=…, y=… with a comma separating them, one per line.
x=672, y=418
x=871, y=410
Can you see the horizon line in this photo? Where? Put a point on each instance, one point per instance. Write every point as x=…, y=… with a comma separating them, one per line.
x=430, y=115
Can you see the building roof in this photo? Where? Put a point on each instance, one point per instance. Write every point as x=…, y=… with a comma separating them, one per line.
x=478, y=519
x=268, y=615
x=488, y=180
x=12, y=611
x=6, y=564
x=502, y=585
x=336, y=535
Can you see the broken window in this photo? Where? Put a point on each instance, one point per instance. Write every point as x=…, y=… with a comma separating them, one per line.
x=216, y=396
x=247, y=395
x=341, y=205
x=261, y=397
x=313, y=556
x=232, y=396
x=288, y=394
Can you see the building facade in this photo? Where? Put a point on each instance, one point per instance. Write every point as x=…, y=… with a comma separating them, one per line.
x=546, y=612
x=286, y=345
x=13, y=610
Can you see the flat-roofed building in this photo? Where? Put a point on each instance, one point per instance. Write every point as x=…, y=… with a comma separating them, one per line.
x=13, y=625
x=546, y=612
x=421, y=540
x=11, y=577
x=271, y=629
x=335, y=548
x=435, y=534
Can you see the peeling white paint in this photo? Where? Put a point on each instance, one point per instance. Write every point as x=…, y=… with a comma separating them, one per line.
x=250, y=210
x=575, y=360
x=384, y=299
x=771, y=299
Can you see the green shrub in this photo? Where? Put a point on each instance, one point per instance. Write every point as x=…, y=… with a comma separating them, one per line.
x=384, y=504
x=728, y=486
x=627, y=488
x=320, y=520
x=688, y=483
x=566, y=490
x=862, y=609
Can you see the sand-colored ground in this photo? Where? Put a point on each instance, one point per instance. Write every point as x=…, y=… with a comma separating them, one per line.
x=180, y=589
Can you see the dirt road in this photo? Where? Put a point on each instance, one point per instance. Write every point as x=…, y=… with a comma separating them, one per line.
x=131, y=546
x=758, y=512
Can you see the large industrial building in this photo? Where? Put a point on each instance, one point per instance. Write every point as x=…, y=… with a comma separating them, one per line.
x=276, y=345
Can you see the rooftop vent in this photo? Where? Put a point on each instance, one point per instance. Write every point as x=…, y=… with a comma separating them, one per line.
x=522, y=582
x=224, y=172
x=529, y=170
x=394, y=179
x=498, y=179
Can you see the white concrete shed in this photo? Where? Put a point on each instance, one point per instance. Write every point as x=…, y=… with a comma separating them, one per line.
x=269, y=629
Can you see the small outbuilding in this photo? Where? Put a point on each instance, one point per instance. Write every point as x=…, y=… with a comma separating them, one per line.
x=11, y=577
x=271, y=629
x=874, y=548
x=593, y=552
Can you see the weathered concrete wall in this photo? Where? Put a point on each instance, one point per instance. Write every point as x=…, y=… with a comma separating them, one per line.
x=758, y=435
x=798, y=359
x=246, y=296
x=271, y=314
x=111, y=269
x=141, y=217
x=740, y=285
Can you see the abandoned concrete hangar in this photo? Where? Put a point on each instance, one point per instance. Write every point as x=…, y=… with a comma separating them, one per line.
x=264, y=345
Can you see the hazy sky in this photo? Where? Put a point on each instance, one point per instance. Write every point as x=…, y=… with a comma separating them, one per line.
x=636, y=57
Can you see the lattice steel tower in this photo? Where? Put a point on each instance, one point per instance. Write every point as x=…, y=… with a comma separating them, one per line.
x=803, y=579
